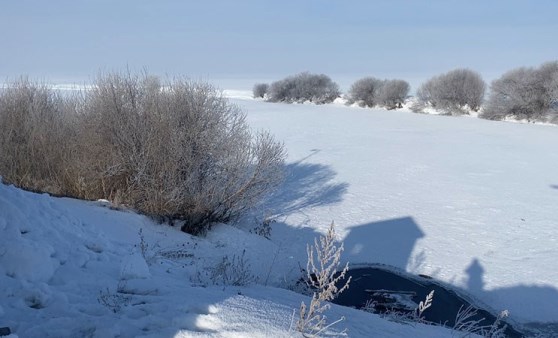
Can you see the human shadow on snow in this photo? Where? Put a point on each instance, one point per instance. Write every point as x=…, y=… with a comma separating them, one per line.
x=393, y=242
x=536, y=299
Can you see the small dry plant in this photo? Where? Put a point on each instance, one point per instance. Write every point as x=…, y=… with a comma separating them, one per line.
x=467, y=326
x=114, y=301
x=235, y=271
x=323, y=263
x=423, y=305
x=151, y=255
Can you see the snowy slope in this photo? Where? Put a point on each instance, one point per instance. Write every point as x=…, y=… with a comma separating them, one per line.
x=468, y=201
x=58, y=257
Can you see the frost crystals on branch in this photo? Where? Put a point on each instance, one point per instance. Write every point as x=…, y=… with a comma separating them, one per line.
x=323, y=261
x=424, y=305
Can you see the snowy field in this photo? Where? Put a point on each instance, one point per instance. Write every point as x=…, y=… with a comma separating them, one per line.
x=467, y=201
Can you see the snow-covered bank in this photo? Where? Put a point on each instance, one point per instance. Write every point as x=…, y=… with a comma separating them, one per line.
x=60, y=258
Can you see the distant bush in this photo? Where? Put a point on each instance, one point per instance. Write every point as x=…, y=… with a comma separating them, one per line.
x=316, y=88
x=371, y=92
x=393, y=93
x=260, y=89
x=365, y=92
x=176, y=151
x=453, y=93
x=525, y=93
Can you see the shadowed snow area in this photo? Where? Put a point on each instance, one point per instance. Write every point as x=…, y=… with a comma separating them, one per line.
x=468, y=201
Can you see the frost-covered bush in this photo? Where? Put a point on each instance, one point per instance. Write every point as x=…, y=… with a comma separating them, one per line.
x=176, y=151
x=525, y=93
x=324, y=260
x=365, y=92
x=371, y=92
x=316, y=88
x=260, y=89
x=392, y=94
x=35, y=134
x=453, y=92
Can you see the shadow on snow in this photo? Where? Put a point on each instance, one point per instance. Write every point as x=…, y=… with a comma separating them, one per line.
x=309, y=185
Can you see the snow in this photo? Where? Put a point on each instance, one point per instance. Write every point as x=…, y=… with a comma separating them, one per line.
x=428, y=194
x=63, y=261
x=134, y=266
x=467, y=201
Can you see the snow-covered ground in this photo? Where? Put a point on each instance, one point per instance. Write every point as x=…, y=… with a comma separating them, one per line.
x=467, y=201
x=61, y=258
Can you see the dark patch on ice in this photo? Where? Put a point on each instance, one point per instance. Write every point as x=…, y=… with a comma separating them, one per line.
x=401, y=292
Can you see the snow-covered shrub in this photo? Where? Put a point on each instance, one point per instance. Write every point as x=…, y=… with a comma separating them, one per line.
x=178, y=151
x=34, y=135
x=260, y=89
x=323, y=261
x=316, y=88
x=371, y=92
x=453, y=92
x=525, y=93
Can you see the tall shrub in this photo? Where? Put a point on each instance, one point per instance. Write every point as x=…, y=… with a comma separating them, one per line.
x=35, y=136
x=177, y=150
x=180, y=150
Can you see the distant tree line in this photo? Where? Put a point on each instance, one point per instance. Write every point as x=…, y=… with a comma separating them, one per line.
x=524, y=93
x=320, y=89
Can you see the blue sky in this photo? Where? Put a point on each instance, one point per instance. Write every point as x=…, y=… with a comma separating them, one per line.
x=73, y=40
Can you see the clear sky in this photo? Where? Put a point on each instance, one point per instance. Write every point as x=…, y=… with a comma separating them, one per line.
x=71, y=40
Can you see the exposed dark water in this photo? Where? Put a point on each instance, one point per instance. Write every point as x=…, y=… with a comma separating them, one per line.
x=402, y=293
